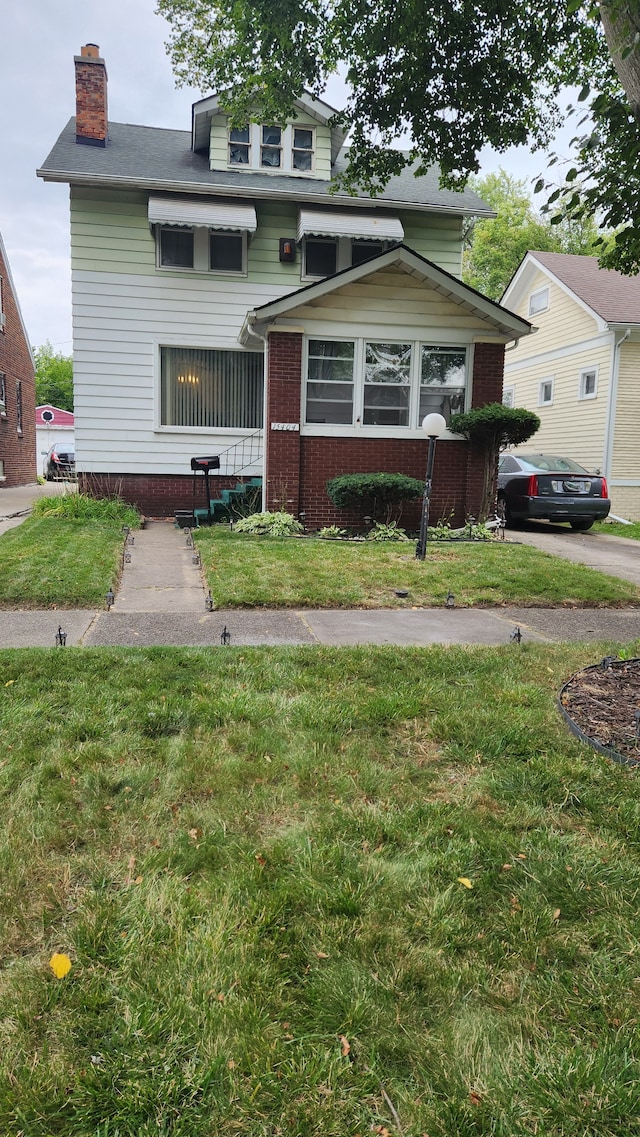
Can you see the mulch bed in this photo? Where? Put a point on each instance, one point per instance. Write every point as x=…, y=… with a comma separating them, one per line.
x=601, y=704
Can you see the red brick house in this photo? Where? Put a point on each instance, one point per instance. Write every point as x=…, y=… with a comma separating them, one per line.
x=229, y=301
x=17, y=388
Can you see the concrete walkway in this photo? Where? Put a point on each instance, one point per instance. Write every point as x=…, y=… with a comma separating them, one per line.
x=616, y=556
x=15, y=503
x=162, y=601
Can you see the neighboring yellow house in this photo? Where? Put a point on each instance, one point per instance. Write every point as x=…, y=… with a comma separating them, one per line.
x=580, y=372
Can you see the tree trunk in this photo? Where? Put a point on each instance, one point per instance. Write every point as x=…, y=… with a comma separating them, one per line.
x=621, y=21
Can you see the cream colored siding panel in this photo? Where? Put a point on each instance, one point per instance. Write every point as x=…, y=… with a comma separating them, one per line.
x=626, y=443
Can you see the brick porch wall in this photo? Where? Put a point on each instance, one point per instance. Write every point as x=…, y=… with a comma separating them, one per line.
x=156, y=495
x=17, y=451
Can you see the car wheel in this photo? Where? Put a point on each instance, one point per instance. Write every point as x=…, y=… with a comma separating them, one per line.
x=505, y=512
x=582, y=524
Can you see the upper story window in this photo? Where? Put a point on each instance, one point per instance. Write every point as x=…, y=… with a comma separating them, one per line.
x=240, y=146
x=588, y=383
x=302, y=149
x=545, y=392
x=322, y=256
x=538, y=301
x=203, y=250
x=271, y=147
x=373, y=383
x=3, y=395
x=227, y=252
x=176, y=248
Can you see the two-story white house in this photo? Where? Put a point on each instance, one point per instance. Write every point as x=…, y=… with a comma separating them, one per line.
x=227, y=302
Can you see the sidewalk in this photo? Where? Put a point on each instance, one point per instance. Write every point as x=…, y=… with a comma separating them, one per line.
x=162, y=602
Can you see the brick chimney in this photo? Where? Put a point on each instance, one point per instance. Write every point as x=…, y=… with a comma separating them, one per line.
x=91, y=97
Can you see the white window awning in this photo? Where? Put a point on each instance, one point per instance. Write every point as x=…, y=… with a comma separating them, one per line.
x=204, y=214
x=363, y=226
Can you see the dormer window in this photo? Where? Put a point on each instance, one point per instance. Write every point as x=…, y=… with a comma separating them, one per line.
x=239, y=146
x=302, y=151
x=271, y=147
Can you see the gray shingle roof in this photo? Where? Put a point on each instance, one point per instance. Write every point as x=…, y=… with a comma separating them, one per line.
x=615, y=297
x=154, y=158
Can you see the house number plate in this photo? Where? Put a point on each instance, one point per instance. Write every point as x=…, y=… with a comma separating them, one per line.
x=285, y=426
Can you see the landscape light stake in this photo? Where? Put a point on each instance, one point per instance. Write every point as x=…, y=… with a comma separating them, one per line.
x=61, y=637
x=196, y=559
x=225, y=636
x=606, y=662
x=109, y=599
x=130, y=539
x=126, y=530
x=450, y=602
x=127, y=557
x=208, y=603
x=516, y=636
x=433, y=425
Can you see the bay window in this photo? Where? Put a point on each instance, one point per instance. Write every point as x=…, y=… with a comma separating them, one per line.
x=373, y=383
x=210, y=388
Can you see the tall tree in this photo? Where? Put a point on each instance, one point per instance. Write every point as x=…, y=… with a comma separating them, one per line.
x=457, y=75
x=497, y=245
x=54, y=377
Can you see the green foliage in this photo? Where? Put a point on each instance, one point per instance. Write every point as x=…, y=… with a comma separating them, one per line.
x=388, y=532
x=331, y=533
x=495, y=424
x=492, y=428
x=371, y=492
x=270, y=524
x=497, y=245
x=82, y=507
x=54, y=377
x=455, y=77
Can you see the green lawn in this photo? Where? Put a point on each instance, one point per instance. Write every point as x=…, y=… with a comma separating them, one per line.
x=617, y=529
x=67, y=554
x=253, y=858
x=245, y=571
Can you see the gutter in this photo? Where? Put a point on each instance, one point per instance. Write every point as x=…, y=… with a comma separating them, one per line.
x=249, y=323
x=126, y=182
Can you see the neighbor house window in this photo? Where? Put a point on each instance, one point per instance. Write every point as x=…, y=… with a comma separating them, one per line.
x=330, y=373
x=227, y=252
x=588, y=383
x=3, y=318
x=239, y=146
x=210, y=388
x=271, y=147
x=443, y=381
x=538, y=301
x=176, y=248
x=3, y=396
x=387, y=384
x=19, y=407
x=320, y=256
x=509, y=397
x=545, y=393
x=302, y=150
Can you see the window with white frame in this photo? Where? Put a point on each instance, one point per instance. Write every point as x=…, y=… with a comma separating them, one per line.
x=509, y=397
x=330, y=381
x=240, y=146
x=588, y=383
x=545, y=392
x=382, y=384
x=210, y=388
x=202, y=250
x=3, y=395
x=443, y=381
x=538, y=301
x=3, y=318
x=19, y=407
x=271, y=147
x=322, y=256
x=302, y=149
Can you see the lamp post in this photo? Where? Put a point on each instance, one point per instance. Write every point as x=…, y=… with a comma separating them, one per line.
x=434, y=426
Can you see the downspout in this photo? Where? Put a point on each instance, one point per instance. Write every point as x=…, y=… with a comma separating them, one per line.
x=265, y=340
x=607, y=457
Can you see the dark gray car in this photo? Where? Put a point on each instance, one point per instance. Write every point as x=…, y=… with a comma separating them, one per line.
x=550, y=487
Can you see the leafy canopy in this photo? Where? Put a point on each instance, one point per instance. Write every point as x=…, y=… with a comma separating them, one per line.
x=454, y=75
x=490, y=429
x=54, y=377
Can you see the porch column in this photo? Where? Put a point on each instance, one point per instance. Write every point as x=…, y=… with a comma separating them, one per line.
x=282, y=426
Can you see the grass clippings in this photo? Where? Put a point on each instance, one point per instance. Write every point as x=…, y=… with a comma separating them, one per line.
x=257, y=862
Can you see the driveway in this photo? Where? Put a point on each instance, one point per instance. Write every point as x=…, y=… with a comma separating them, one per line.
x=614, y=555
x=15, y=503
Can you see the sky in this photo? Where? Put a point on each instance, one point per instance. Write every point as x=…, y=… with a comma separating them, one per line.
x=38, y=40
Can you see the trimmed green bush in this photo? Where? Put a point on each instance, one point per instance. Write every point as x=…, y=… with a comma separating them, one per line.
x=371, y=493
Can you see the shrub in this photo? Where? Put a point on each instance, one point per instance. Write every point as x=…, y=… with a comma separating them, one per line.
x=331, y=532
x=371, y=492
x=81, y=507
x=389, y=532
x=270, y=525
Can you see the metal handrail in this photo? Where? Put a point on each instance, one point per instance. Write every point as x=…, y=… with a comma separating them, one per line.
x=250, y=453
